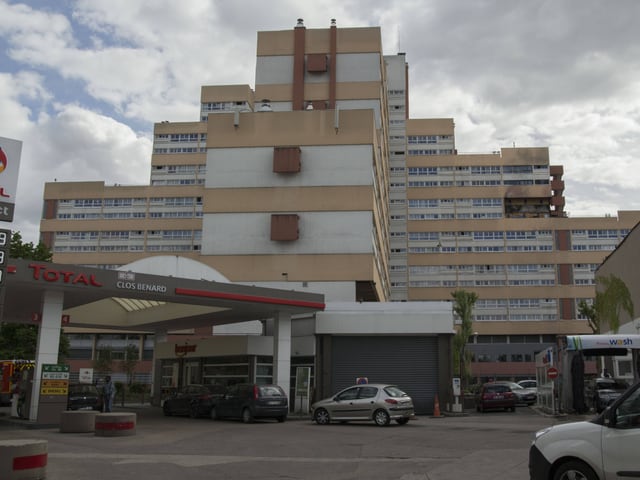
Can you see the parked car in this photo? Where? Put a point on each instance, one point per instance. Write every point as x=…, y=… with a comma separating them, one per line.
x=192, y=400
x=84, y=396
x=523, y=395
x=494, y=396
x=602, y=448
x=606, y=391
x=378, y=402
x=249, y=401
x=532, y=384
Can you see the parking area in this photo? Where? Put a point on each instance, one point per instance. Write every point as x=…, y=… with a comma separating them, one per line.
x=479, y=446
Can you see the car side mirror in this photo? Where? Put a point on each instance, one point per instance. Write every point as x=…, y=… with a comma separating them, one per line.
x=609, y=417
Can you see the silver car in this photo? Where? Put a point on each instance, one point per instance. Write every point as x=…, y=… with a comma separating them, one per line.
x=378, y=402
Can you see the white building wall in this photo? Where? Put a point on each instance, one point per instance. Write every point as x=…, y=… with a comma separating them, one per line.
x=358, y=67
x=320, y=233
x=387, y=318
x=274, y=70
x=350, y=67
x=321, y=166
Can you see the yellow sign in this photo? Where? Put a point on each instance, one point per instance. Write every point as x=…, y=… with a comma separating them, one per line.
x=53, y=391
x=54, y=387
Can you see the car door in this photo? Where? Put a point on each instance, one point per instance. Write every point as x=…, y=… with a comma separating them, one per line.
x=365, y=404
x=178, y=401
x=224, y=404
x=343, y=406
x=620, y=442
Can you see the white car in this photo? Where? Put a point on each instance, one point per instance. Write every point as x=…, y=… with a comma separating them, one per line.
x=605, y=448
x=532, y=384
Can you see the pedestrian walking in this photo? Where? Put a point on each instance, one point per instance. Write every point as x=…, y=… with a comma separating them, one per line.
x=108, y=393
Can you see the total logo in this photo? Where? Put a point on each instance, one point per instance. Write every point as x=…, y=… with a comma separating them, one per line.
x=3, y=161
x=3, y=167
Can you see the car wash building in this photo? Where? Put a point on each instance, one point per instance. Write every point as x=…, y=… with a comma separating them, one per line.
x=575, y=350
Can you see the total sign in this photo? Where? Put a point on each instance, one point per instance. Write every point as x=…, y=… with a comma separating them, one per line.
x=10, y=151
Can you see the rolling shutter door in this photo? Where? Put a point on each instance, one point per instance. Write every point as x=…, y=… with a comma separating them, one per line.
x=409, y=362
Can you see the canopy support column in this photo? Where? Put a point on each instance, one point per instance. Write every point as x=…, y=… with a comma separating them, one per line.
x=48, y=342
x=282, y=351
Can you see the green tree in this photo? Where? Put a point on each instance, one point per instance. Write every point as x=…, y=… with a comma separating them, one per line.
x=18, y=340
x=463, y=303
x=589, y=311
x=611, y=300
x=19, y=249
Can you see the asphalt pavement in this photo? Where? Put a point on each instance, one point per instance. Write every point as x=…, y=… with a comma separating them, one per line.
x=476, y=446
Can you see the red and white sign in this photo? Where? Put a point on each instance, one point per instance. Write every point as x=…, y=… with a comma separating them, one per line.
x=10, y=151
x=552, y=372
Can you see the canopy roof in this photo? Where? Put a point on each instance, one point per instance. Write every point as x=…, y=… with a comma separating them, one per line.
x=134, y=300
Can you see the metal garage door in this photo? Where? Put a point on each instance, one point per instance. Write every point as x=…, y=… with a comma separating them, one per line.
x=409, y=362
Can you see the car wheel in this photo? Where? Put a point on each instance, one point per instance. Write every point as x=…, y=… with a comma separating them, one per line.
x=512, y=409
x=246, y=416
x=381, y=417
x=321, y=416
x=193, y=411
x=166, y=410
x=574, y=470
x=213, y=415
x=402, y=421
x=281, y=419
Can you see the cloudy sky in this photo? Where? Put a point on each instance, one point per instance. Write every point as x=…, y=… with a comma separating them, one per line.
x=82, y=82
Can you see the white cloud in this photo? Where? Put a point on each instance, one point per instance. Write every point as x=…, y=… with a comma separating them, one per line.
x=83, y=87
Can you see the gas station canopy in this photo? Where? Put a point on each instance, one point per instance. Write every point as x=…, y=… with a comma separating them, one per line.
x=128, y=300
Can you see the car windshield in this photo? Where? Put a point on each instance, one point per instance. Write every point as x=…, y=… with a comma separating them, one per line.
x=515, y=386
x=270, y=391
x=79, y=389
x=497, y=388
x=394, y=392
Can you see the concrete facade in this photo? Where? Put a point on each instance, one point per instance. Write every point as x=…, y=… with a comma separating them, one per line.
x=378, y=206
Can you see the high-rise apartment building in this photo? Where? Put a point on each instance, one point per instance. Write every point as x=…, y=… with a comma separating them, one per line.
x=319, y=180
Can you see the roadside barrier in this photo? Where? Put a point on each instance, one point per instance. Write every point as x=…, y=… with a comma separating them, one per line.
x=24, y=459
x=115, y=424
x=77, y=421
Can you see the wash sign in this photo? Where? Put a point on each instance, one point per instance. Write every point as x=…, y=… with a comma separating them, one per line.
x=10, y=151
x=590, y=342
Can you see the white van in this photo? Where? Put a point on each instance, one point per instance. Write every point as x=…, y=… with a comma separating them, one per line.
x=605, y=448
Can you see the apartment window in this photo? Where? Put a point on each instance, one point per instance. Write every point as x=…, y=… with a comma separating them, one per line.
x=284, y=228
x=286, y=159
x=88, y=203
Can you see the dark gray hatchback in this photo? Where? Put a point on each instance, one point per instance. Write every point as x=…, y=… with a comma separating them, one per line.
x=249, y=401
x=84, y=397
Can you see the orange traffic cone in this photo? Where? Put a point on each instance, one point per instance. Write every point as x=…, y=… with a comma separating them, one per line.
x=436, y=408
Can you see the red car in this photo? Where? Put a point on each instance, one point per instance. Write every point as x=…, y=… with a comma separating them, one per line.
x=496, y=396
